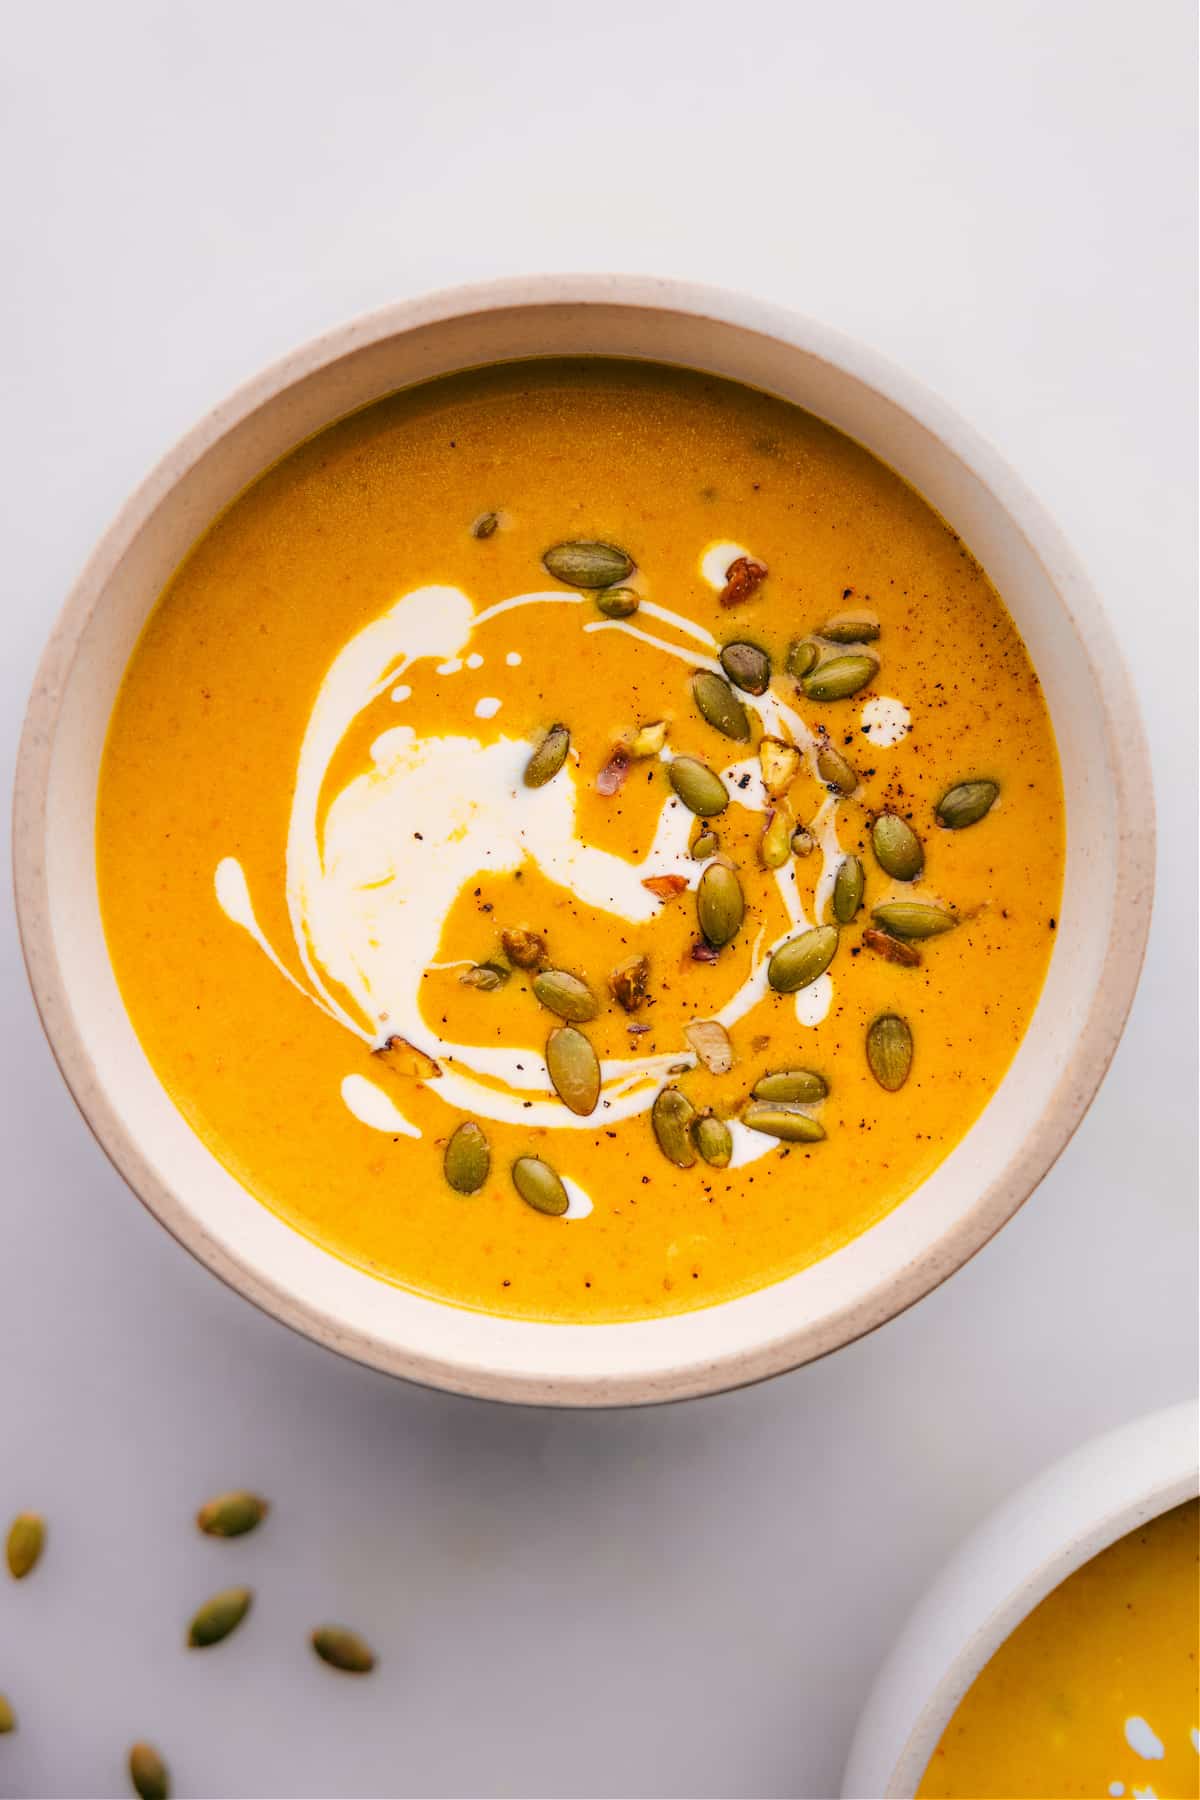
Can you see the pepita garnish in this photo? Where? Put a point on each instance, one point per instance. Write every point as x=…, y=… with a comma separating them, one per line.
x=574, y=1069
x=628, y=982
x=802, y=657
x=897, y=847
x=848, y=885
x=148, y=1773
x=892, y=949
x=26, y=1541
x=717, y=703
x=704, y=845
x=467, y=1158
x=775, y=844
x=524, y=949
x=783, y=1123
x=402, y=1058
x=913, y=919
x=966, y=804
x=548, y=758
x=701, y=791
x=485, y=524
x=710, y=1041
x=714, y=1140
x=671, y=1118
x=835, y=771
x=720, y=905
x=798, y=962
x=487, y=977
x=839, y=678
x=779, y=763
x=618, y=602
x=890, y=1051
x=233, y=1514
x=564, y=994
x=747, y=667
x=588, y=565
x=851, y=628
x=790, y=1087
x=343, y=1649
x=539, y=1186
x=219, y=1616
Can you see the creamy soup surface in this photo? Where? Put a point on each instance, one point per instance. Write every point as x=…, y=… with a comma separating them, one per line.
x=1096, y=1693
x=405, y=884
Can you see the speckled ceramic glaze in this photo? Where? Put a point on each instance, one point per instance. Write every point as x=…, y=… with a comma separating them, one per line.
x=1021, y=1553
x=1106, y=902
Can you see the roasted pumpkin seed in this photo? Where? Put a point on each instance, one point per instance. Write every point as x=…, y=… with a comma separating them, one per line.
x=781, y=1122
x=148, y=1773
x=565, y=995
x=467, y=1158
x=897, y=847
x=487, y=977
x=835, y=771
x=798, y=962
x=574, y=1069
x=343, y=1649
x=717, y=703
x=747, y=667
x=848, y=885
x=714, y=1140
x=219, y=1616
x=618, y=602
x=840, y=677
x=851, y=628
x=701, y=791
x=790, y=1087
x=890, y=1051
x=720, y=905
x=705, y=845
x=892, y=949
x=671, y=1118
x=629, y=981
x=26, y=1541
x=802, y=657
x=548, y=758
x=539, y=1186
x=966, y=804
x=485, y=524
x=913, y=919
x=232, y=1515
x=588, y=565
x=524, y=949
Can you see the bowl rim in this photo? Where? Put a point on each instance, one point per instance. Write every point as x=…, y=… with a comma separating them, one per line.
x=1021, y=1551
x=741, y=1363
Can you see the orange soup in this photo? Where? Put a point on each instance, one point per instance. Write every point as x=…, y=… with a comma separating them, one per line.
x=580, y=840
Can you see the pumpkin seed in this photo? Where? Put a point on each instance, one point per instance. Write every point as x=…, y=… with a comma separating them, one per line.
x=714, y=1140
x=897, y=847
x=400, y=1057
x=648, y=740
x=701, y=791
x=775, y=844
x=343, y=1649
x=848, y=886
x=618, y=602
x=671, y=1118
x=588, y=565
x=26, y=1541
x=851, y=628
x=467, y=1159
x=840, y=677
x=524, y=949
x=966, y=804
x=574, y=1069
x=835, y=771
x=720, y=905
x=719, y=705
x=781, y=1122
x=8, y=1718
x=565, y=995
x=539, y=1186
x=628, y=982
x=792, y=1087
x=548, y=758
x=232, y=1515
x=802, y=657
x=780, y=764
x=710, y=1041
x=485, y=524
x=705, y=845
x=798, y=963
x=913, y=919
x=891, y=949
x=219, y=1616
x=148, y=1773
x=890, y=1051
x=487, y=977
x=747, y=667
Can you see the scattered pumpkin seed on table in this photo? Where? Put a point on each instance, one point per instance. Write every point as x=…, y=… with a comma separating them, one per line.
x=26, y=1541
x=148, y=1773
x=343, y=1649
x=219, y=1616
x=233, y=1514
x=8, y=1718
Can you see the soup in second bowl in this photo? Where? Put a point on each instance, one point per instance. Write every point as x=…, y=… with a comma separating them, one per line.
x=581, y=840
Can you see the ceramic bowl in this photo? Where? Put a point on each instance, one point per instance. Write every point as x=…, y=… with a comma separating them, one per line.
x=1099, y=945
x=1021, y=1553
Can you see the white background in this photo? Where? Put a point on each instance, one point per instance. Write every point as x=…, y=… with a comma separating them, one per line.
x=692, y=1601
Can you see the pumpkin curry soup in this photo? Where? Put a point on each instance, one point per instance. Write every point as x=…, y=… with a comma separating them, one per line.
x=580, y=840
x=1096, y=1692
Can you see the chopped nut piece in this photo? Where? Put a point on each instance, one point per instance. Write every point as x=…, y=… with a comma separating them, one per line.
x=403, y=1058
x=628, y=983
x=648, y=740
x=710, y=1040
x=525, y=949
x=611, y=778
x=744, y=575
x=665, y=887
x=891, y=949
x=702, y=952
x=780, y=764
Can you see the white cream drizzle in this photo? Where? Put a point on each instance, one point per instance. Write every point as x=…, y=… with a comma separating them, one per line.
x=885, y=721
x=487, y=707
x=368, y=894
x=1142, y=1740
x=715, y=560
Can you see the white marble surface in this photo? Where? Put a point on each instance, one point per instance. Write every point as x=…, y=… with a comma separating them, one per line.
x=687, y=1602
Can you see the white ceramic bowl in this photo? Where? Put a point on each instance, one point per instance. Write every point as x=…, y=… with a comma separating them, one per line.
x=1104, y=915
x=1021, y=1553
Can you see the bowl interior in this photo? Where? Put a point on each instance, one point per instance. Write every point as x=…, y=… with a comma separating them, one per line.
x=990, y=1172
